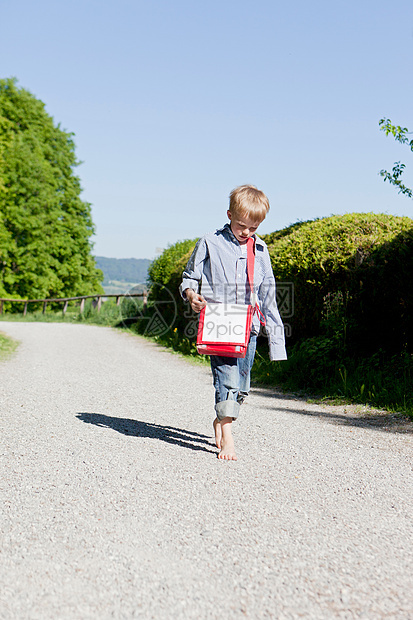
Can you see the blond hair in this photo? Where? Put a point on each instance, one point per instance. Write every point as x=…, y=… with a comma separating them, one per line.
x=248, y=201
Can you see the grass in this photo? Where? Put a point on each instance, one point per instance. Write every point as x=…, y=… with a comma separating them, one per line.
x=7, y=346
x=380, y=380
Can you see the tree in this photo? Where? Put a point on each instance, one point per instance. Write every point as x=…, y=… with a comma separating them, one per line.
x=400, y=134
x=45, y=227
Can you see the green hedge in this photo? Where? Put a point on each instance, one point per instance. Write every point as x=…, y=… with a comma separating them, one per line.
x=164, y=278
x=351, y=276
x=351, y=329
x=167, y=265
x=344, y=268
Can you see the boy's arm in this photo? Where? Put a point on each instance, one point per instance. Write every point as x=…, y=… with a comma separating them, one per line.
x=197, y=301
x=273, y=324
x=274, y=327
x=192, y=277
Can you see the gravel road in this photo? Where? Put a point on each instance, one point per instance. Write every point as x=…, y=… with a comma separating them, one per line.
x=114, y=504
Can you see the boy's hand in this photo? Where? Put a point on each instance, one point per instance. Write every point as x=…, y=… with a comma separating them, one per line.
x=197, y=301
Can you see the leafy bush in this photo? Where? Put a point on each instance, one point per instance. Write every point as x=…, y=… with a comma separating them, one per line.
x=385, y=296
x=340, y=255
x=348, y=273
x=167, y=265
x=165, y=275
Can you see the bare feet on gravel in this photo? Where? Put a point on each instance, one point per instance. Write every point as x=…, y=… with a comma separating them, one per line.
x=226, y=446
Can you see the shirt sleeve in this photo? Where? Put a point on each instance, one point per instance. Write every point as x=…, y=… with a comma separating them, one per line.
x=274, y=327
x=192, y=275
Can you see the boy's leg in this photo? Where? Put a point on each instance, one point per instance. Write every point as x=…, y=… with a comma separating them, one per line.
x=226, y=379
x=244, y=369
x=231, y=378
x=225, y=375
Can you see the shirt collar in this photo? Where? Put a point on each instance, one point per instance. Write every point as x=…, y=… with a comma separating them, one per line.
x=227, y=228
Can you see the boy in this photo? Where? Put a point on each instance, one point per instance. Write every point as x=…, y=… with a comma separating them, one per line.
x=219, y=264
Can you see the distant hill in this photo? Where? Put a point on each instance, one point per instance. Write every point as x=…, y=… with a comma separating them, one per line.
x=129, y=270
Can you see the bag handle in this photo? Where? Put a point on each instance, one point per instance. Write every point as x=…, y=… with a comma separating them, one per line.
x=250, y=277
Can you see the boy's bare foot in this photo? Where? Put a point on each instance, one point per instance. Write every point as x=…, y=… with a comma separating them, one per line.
x=227, y=442
x=218, y=433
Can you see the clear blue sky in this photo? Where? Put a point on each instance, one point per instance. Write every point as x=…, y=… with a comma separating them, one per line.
x=175, y=103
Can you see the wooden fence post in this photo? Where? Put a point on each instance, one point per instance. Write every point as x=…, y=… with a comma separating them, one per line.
x=96, y=301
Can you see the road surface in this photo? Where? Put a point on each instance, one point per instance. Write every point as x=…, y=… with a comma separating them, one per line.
x=114, y=505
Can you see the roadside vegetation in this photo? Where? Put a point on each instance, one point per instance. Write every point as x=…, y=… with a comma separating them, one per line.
x=7, y=346
x=346, y=297
x=45, y=226
x=109, y=315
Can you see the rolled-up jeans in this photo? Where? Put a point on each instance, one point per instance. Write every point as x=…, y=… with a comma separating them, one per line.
x=231, y=377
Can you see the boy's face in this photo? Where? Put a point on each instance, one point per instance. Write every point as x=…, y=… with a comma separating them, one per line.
x=243, y=226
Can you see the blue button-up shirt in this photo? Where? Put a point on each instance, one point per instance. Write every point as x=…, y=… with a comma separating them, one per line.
x=217, y=270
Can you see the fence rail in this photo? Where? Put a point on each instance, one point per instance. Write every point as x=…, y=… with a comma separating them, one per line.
x=65, y=300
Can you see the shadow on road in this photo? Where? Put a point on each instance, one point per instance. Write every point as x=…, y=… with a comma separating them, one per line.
x=347, y=415
x=136, y=428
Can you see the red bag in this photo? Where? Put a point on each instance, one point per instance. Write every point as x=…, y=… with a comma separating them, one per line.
x=224, y=329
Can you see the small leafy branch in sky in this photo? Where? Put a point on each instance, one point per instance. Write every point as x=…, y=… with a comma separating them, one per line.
x=400, y=134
